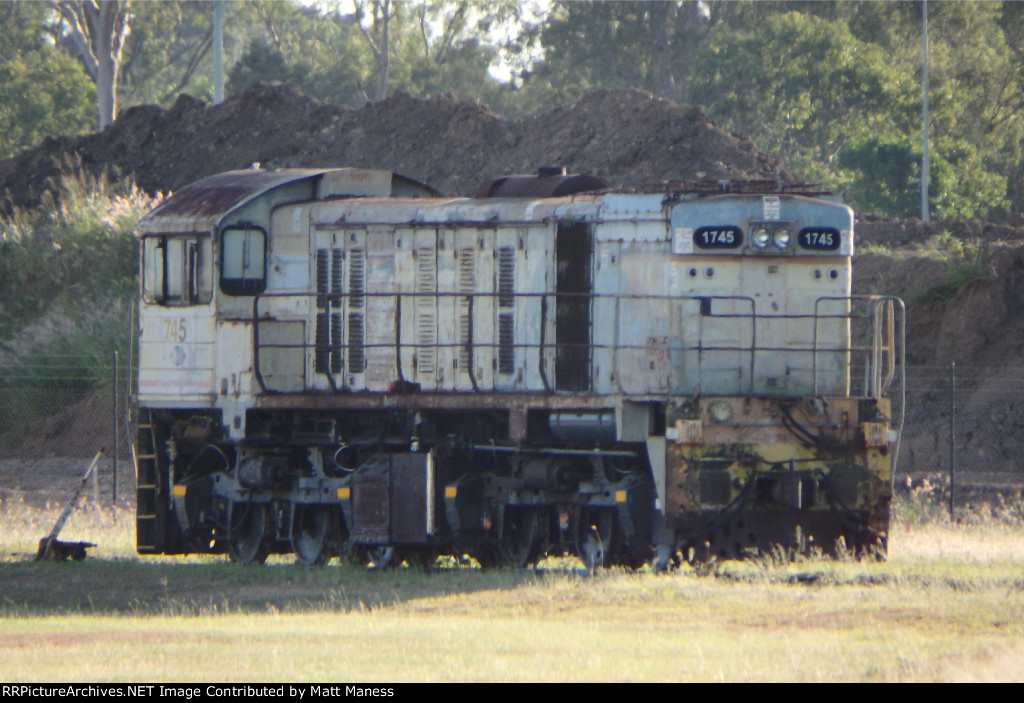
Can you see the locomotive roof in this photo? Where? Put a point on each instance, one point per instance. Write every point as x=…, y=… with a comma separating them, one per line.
x=202, y=205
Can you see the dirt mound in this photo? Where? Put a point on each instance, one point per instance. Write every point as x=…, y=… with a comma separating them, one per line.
x=627, y=136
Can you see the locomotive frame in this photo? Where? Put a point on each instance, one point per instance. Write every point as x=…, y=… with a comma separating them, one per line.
x=342, y=361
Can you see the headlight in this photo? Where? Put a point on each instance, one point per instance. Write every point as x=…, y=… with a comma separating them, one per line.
x=761, y=238
x=781, y=238
x=720, y=411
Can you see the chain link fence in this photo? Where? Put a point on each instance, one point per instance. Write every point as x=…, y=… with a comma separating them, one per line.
x=57, y=412
x=963, y=443
x=963, y=435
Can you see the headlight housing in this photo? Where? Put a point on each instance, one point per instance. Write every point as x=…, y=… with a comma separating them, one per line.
x=720, y=411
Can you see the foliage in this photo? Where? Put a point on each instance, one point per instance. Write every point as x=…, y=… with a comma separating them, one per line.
x=77, y=249
x=589, y=45
x=42, y=91
x=168, y=52
x=68, y=274
x=803, y=87
x=964, y=263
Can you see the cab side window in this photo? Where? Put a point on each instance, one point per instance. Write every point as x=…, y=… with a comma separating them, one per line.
x=176, y=270
x=243, y=257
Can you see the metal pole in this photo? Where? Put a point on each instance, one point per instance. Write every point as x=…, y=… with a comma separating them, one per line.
x=129, y=385
x=113, y=453
x=925, y=158
x=218, y=52
x=952, y=437
x=47, y=545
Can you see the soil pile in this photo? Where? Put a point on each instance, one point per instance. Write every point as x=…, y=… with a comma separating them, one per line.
x=626, y=136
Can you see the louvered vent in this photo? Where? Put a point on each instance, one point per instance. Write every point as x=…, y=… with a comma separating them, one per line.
x=467, y=286
x=356, y=353
x=506, y=277
x=322, y=335
x=506, y=343
x=356, y=278
x=356, y=292
x=337, y=273
x=506, y=319
x=336, y=357
x=426, y=312
x=321, y=278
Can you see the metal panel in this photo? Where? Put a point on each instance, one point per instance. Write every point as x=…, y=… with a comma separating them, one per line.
x=282, y=358
x=412, y=498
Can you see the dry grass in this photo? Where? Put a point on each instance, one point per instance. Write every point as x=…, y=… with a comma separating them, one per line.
x=947, y=606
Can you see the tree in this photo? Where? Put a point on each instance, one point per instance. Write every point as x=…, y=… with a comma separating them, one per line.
x=42, y=91
x=98, y=29
x=261, y=62
x=802, y=87
x=375, y=19
x=168, y=51
x=316, y=48
x=587, y=45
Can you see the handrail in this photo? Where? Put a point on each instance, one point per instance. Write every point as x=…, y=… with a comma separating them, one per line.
x=883, y=346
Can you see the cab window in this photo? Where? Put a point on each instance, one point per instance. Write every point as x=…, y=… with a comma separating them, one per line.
x=243, y=261
x=176, y=270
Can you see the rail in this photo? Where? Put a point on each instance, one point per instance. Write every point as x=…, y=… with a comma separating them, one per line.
x=842, y=345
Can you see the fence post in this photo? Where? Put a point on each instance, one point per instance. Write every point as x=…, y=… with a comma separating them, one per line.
x=952, y=437
x=113, y=454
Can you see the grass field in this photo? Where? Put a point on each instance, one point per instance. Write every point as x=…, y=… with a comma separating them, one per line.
x=948, y=605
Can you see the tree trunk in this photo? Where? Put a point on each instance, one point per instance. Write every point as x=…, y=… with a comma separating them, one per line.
x=98, y=29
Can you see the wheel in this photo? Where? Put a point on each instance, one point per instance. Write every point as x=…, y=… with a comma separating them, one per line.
x=423, y=559
x=250, y=535
x=592, y=550
x=309, y=534
x=519, y=544
x=597, y=539
x=378, y=557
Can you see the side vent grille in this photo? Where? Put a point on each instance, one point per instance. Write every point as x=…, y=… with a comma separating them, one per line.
x=506, y=343
x=321, y=278
x=467, y=286
x=506, y=319
x=426, y=312
x=506, y=277
x=336, y=358
x=356, y=278
x=321, y=343
x=337, y=270
x=356, y=353
x=356, y=291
